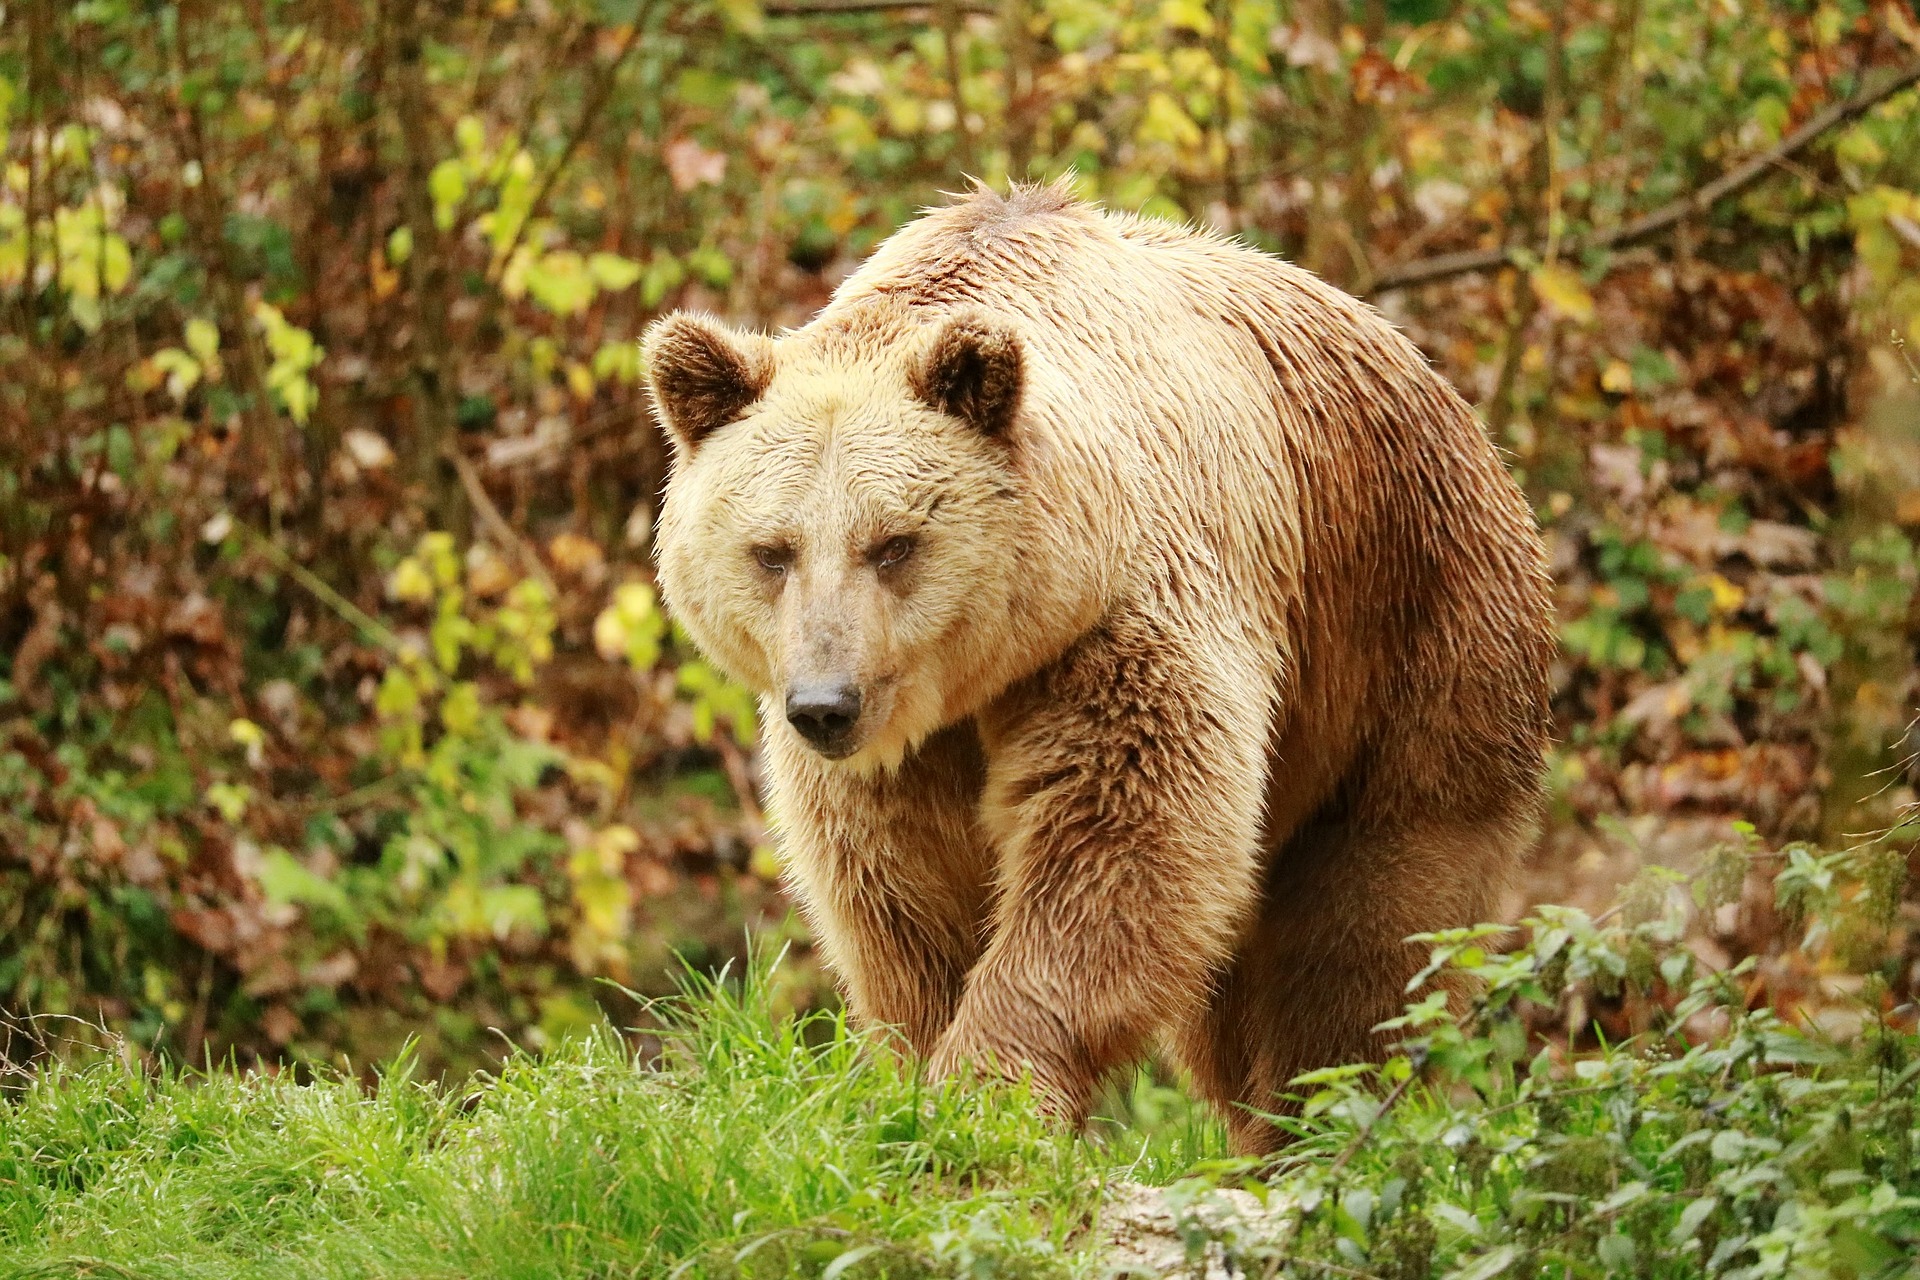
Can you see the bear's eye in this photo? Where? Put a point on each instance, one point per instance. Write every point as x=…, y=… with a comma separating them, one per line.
x=773, y=559
x=892, y=552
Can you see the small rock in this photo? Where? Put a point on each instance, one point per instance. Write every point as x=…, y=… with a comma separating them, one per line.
x=1146, y=1230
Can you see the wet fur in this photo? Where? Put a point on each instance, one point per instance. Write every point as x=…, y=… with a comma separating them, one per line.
x=1226, y=672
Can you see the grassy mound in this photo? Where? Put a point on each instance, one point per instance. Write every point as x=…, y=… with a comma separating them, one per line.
x=755, y=1145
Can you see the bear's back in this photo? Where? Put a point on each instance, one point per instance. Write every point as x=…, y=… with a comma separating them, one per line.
x=1211, y=414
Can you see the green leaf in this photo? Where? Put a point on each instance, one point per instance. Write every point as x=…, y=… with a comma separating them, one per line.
x=182, y=370
x=612, y=272
x=285, y=881
x=1487, y=1265
x=711, y=265
x=1564, y=292
x=746, y=17
x=619, y=360
x=1617, y=1251
x=203, y=340
x=664, y=272
x=1867, y=1253
x=561, y=282
x=1166, y=123
x=1693, y=1216
x=470, y=135
x=839, y=1265
x=447, y=184
x=230, y=799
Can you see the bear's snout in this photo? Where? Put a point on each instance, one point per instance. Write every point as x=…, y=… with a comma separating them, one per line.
x=825, y=712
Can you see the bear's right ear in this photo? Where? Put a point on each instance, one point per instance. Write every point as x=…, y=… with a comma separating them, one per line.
x=703, y=375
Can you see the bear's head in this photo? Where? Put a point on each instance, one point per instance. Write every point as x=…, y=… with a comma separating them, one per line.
x=841, y=525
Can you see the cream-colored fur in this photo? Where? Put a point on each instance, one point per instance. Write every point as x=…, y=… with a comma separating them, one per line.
x=1216, y=666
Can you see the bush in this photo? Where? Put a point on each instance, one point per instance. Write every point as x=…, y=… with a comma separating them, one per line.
x=1727, y=1138
x=342, y=884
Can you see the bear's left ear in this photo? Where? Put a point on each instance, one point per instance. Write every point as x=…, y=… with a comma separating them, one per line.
x=974, y=370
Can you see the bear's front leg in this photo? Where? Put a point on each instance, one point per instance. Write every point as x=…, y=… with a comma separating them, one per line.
x=892, y=871
x=1124, y=790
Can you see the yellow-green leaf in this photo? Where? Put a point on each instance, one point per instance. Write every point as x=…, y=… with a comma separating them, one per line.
x=203, y=339
x=612, y=272
x=1564, y=292
x=447, y=184
x=1166, y=122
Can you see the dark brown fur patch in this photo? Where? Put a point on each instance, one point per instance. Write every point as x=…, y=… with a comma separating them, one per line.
x=974, y=371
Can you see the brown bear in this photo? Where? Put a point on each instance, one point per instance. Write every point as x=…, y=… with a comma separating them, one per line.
x=1149, y=641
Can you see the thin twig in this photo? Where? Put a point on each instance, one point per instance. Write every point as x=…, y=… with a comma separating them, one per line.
x=369, y=627
x=1366, y=1130
x=354, y=799
x=1018, y=86
x=1554, y=1094
x=950, y=41
x=882, y=1246
x=1330, y=1268
x=833, y=8
x=496, y=524
x=1550, y=129
x=1731, y=183
x=734, y=761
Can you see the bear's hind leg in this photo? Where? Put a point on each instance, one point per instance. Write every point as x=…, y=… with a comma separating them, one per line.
x=1328, y=959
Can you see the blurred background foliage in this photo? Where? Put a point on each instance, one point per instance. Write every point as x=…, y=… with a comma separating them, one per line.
x=335, y=701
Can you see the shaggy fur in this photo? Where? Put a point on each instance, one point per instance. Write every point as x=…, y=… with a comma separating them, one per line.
x=1217, y=668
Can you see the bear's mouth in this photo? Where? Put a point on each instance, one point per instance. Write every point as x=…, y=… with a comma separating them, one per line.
x=834, y=750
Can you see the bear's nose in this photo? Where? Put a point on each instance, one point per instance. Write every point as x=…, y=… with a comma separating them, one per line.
x=824, y=712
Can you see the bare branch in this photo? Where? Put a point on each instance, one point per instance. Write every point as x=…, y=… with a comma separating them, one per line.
x=496, y=524
x=1731, y=183
x=596, y=99
x=1366, y=1130
x=956, y=75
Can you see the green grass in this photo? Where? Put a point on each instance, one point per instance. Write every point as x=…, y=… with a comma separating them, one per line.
x=784, y=1137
